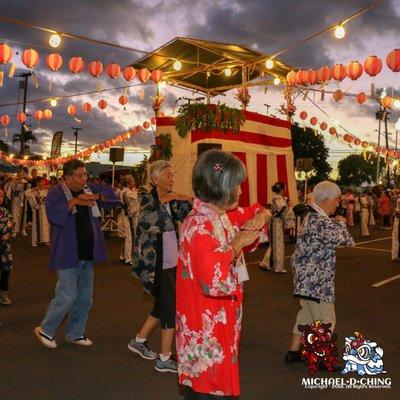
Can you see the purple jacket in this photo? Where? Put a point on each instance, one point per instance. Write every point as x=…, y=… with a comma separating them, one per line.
x=63, y=242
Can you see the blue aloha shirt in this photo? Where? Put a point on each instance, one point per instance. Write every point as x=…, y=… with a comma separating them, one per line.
x=314, y=258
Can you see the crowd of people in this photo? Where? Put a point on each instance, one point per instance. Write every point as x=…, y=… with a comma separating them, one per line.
x=188, y=254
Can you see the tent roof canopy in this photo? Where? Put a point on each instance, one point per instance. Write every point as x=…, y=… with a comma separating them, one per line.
x=204, y=62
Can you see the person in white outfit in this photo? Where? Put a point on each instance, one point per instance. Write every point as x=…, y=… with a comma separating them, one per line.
x=395, y=233
x=364, y=215
x=18, y=204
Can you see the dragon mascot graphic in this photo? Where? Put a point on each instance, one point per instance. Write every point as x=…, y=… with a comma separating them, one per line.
x=362, y=356
x=319, y=349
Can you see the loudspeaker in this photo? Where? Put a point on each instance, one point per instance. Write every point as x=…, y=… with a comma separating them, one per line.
x=116, y=154
x=304, y=164
x=202, y=147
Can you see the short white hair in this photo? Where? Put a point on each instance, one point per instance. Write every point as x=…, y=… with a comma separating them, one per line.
x=326, y=191
x=157, y=166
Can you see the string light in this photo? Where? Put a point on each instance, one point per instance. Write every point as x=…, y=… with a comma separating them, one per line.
x=277, y=81
x=177, y=65
x=269, y=64
x=340, y=32
x=53, y=102
x=55, y=40
x=227, y=72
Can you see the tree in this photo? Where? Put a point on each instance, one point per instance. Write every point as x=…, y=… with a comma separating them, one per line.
x=24, y=138
x=3, y=146
x=307, y=143
x=354, y=170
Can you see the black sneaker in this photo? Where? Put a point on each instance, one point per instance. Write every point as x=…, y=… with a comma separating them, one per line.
x=293, y=356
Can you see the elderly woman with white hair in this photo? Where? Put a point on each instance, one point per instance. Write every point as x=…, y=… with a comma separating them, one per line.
x=313, y=262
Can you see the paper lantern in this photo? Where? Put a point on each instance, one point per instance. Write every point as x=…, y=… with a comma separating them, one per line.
x=361, y=98
x=324, y=74
x=357, y=141
x=354, y=70
x=113, y=70
x=386, y=101
x=392, y=60
x=102, y=146
x=312, y=76
x=30, y=58
x=156, y=75
x=54, y=61
x=153, y=120
x=5, y=53
x=364, y=144
x=338, y=72
x=301, y=77
x=102, y=104
x=5, y=119
x=86, y=107
x=123, y=100
x=372, y=65
x=347, y=138
x=303, y=115
x=76, y=65
x=291, y=78
x=138, y=129
x=47, y=113
x=21, y=117
x=313, y=121
x=113, y=142
x=146, y=124
x=323, y=126
x=38, y=114
x=332, y=131
x=144, y=74
x=95, y=68
x=129, y=73
x=72, y=110
x=338, y=95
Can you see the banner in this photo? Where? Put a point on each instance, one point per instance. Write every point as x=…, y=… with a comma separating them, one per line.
x=56, y=145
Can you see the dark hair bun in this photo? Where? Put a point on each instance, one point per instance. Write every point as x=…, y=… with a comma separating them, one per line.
x=278, y=187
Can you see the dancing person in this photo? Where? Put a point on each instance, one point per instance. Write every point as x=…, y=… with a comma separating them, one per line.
x=282, y=213
x=396, y=233
x=77, y=243
x=155, y=259
x=313, y=262
x=19, y=204
x=364, y=215
x=385, y=209
x=210, y=276
x=350, y=203
x=40, y=225
x=6, y=229
x=371, y=207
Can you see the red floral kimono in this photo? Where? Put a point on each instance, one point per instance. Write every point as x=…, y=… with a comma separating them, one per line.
x=209, y=300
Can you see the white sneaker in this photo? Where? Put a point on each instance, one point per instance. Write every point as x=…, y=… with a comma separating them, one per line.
x=82, y=341
x=45, y=340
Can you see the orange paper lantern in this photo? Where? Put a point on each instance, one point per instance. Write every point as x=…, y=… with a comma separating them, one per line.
x=102, y=104
x=86, y=107
x=5, y=53
x=54, y=61
x=354, y=70
x=312, y=76
x=347, y=138
x=146, y=124
x=303, y=115
x=129, y=73
x=361, y=98
x=144, y=75
x=301, y=77
x=156, y=75
x=372, y=65
x=291, y=78
x=313, y=121
x=332, y=131
x=113, y=70
x=324, y=74
x=5, y=119
x=30, y=58
x=72, y=110
x=95, y=68
x=323, y=126
x=338, y=95
x=357, y=141
x=21, y=117
x=123, y=100
x=153, y=120
x=38, y=114
x=47, y=113
x=338, y=72
x=364, y=144
x=392, y=60
x=76, y=65
x=386, y=101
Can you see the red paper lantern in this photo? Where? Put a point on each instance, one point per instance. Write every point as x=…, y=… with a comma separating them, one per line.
x=332, y=131
x=86, y=107
x=5, y=119
x=54, y=61
x=30, y=58
x=123, y=100
x=361, y=98
x=38, y=114
x=392, y=60
x=386, y=101
x=102, y=146
x=324, y=74
x=338, y=95
x=323, y=126
x=138, y=129
x=146, y=124
x=338, y=72
x=348, y=138
x=47, y=113
x=129, y=73
x=76, y=65
x=313, y=121
x=354, y=70
x=153, y=120
x=144, y=75
x=96, y=68
x=156, y=75
x=102, y=104
x=364, y=144
x=357, y=141
x=5, y=53
x=303, y=115
x=21, y=117
x=113, y=70
x=113, y=142
x=72, y=110
x=312, y=76
x=301, y=77
x=291, y=78
x=372, y=65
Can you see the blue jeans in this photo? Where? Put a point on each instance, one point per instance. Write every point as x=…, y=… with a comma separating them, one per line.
x=73, y=294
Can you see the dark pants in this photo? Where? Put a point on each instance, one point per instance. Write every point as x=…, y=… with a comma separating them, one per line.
x=386, y=221
x=192, y=395
x=4, y=277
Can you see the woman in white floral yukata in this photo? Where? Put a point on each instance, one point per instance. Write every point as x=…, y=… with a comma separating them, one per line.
x=210, y=276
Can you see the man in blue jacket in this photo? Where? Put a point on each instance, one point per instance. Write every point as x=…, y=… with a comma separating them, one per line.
x=77, y=242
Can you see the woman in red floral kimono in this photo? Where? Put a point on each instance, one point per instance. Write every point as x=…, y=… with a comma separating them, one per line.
x=210, y=276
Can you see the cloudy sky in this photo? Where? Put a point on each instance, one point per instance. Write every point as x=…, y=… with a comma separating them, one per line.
x=267, y=25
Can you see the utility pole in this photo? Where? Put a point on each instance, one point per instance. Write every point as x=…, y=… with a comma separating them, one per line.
x=378, y=116
x=76, y=131
x=23, y=85
x=385, y=116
